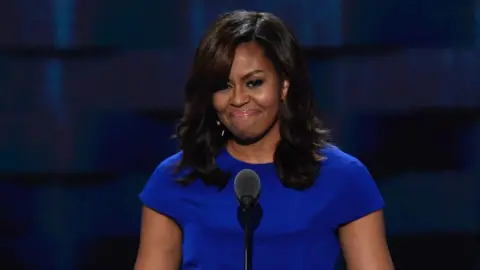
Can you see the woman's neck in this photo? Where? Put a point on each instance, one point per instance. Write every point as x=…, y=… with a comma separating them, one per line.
x=259, y=152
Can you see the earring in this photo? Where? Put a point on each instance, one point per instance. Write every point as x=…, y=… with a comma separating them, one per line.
x=223, y=130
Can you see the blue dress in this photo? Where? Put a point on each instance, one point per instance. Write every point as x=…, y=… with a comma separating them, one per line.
x=294, y=229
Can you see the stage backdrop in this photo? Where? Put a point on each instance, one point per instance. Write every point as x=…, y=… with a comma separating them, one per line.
x=90, y=91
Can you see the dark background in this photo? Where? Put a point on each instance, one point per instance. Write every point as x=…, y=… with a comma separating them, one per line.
x=90, y=90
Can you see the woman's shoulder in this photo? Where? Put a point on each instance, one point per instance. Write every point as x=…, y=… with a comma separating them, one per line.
x=162, y=192
x=339, y=159
x=356, y=192
x=166, y=174
x=343, y=169
x=170, y=163
x=168, y=167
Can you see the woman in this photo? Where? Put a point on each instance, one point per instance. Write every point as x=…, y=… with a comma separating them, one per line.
x=249, y=105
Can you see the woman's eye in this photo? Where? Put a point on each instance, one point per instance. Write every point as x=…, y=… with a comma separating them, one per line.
x=254, y=84
x=224, y=87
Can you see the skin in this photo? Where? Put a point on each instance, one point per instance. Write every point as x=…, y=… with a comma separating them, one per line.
x=364, y=245
x=160, y=242
x=248, y=108
x=249, y=104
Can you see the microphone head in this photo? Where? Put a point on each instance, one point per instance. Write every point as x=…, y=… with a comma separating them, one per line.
x=247, y=187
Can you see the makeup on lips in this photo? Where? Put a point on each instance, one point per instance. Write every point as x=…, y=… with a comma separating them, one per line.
x=243, y=113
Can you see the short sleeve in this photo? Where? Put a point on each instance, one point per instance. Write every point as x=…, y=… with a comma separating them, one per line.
x=163, y=194
x=358, y=194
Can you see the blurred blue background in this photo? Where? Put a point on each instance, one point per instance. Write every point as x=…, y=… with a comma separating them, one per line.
x=90, y=91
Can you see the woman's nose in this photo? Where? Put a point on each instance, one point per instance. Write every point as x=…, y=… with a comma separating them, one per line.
x=240, y=97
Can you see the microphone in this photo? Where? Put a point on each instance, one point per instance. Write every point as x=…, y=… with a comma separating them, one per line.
x=247, y=188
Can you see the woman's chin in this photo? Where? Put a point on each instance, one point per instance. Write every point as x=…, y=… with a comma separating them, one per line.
x=246, y=137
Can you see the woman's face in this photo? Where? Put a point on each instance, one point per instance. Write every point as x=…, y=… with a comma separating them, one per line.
x=249, y=104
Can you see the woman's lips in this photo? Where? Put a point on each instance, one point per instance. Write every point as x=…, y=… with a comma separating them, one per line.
x=243, y=113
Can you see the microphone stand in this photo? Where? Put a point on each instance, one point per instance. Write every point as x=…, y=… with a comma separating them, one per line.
x=248, y=240
x=247, y=203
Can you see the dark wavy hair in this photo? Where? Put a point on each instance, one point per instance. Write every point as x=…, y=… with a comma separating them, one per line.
x=297, y=157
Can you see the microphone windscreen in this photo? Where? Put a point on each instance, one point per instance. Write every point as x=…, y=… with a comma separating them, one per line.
x=247, y=184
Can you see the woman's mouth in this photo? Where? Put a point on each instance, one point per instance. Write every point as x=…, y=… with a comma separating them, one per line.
x=243, y=113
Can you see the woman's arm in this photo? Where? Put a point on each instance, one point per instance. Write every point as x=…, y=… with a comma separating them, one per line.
x=364, y=245
x=160, y=242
